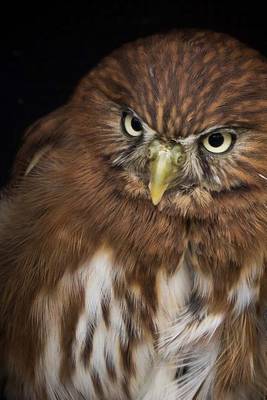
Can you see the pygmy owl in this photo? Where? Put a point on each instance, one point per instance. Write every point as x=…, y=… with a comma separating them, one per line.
x=133, y=233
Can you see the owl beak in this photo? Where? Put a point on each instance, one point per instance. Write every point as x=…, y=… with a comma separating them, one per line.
x=165, y=163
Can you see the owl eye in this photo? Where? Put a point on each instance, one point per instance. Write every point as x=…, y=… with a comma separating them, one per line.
x=218, y=142
x=132, y=125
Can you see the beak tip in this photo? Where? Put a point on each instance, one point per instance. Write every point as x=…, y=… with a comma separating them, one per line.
x=156, y=195
x=155, y=200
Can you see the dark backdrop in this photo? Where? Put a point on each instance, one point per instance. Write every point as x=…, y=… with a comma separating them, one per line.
x=46, y=50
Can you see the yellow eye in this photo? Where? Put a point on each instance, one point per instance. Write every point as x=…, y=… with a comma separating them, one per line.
x=132, y=125
x=218, y=142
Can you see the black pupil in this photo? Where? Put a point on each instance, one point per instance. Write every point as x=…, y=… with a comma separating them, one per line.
x=216, y=139
x=136, y=124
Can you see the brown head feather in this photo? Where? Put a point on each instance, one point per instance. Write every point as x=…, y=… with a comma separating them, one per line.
x=76, y=198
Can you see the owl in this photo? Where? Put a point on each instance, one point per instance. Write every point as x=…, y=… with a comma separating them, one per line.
x=133, y=232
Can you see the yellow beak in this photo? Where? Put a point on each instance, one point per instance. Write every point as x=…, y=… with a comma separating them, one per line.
x=165, y=162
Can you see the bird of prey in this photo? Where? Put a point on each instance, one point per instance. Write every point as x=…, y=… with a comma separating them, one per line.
x=133, y=232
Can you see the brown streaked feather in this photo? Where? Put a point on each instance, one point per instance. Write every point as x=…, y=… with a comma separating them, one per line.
x=99, y=289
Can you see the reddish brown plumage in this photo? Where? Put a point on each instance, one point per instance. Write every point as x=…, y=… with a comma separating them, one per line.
x=77, y=199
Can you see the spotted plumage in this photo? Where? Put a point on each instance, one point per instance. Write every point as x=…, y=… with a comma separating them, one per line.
x=133, y=233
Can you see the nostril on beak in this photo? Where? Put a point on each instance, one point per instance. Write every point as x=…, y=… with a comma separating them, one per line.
x=149, y=154
x=152, y=153
x=177, y=154
x=177, y=159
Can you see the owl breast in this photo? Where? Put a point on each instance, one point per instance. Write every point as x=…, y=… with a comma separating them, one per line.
x=101, y=334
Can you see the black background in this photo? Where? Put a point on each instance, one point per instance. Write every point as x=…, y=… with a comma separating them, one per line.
x=47, y=49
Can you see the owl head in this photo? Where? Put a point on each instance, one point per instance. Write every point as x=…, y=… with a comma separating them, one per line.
x=176, y=121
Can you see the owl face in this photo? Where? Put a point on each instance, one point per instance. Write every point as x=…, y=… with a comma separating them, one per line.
x=180, y=164
x=181, y=120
